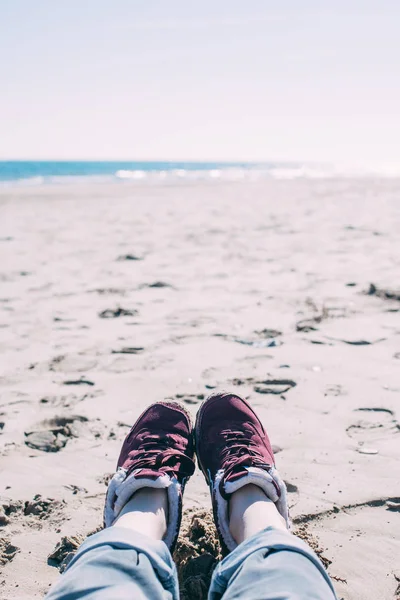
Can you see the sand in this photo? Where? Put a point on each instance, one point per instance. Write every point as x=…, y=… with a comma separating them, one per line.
x=116, y=296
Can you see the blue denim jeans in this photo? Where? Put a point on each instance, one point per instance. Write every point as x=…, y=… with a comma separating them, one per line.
x=114, y=564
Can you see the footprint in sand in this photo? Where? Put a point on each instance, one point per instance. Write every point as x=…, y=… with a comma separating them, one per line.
x=349, y=524
x=334, y=389
x=266, y=386
x=65, y=401
x=39, y=507
x=123, y=361
x=7, y=551
x=31, y=513
x=187, y=398
x=72, y=363
x=374, y=425
x=53, y=434
x=274, y=386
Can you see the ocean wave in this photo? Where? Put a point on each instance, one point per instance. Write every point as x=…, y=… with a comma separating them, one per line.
x=126, y=174
x=218, y=173
x=28, y=181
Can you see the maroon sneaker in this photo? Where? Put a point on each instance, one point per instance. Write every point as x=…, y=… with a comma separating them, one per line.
x=233, y=450
x=157, y=453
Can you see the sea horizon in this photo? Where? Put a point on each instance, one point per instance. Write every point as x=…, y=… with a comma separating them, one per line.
x=40, y=172
x=36, y=172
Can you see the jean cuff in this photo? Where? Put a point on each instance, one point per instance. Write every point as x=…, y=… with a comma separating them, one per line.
x=121, y=537
x=271, y=540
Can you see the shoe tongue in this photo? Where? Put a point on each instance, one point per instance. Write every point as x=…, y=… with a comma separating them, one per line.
x=147, y=474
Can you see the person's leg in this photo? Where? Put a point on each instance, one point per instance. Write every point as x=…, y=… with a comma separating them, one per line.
x=146, y=512
x=131, y=558
x=262, y=558
x=268, y=562
x=250, y=510
x=127, y=560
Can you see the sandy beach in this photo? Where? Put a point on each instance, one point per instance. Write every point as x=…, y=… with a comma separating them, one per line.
x=116, y=296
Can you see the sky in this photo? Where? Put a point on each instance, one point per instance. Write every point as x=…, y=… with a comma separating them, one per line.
x=255, y=80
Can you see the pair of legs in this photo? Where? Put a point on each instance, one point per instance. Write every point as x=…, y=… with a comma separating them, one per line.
x=131, y=557
x=250, y=511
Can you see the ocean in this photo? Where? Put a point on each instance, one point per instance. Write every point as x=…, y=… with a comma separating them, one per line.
x=41, y=172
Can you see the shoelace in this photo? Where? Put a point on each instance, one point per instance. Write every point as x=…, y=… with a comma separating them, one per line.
x=239, y=451
x=156, y=453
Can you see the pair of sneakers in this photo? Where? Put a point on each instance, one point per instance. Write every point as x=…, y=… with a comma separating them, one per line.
x=232, y=449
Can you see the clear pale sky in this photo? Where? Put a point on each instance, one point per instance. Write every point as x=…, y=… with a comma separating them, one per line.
x=178, y=79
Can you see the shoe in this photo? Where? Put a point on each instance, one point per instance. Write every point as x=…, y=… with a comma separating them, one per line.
x=233, y=450
x=158, y=452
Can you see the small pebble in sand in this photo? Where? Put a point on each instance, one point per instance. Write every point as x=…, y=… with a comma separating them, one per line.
x=268, y=333
x=158, y=284
x=78, y=382
x=111, y=313
x=129, y=257
x=274, y=386
x=393, y=505
x=128, y=350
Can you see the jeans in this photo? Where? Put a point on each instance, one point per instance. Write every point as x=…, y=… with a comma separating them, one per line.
x=115, y=564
